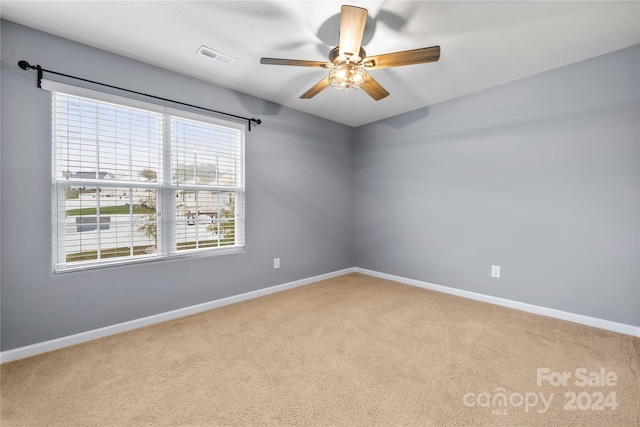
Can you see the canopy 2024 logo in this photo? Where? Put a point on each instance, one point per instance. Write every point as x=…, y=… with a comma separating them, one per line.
x=583, y=400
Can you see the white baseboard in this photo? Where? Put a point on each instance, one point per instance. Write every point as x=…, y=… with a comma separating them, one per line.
x=530, y=308
x=45, y=346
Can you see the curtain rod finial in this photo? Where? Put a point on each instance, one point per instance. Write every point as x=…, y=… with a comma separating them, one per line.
x=25, y=65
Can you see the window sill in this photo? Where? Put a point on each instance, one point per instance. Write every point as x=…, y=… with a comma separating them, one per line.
x=175, y=256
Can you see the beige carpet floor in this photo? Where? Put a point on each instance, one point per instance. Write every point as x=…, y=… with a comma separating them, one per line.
x=349, y=351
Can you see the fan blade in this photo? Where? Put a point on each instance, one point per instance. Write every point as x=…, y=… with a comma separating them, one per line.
x=296, y=62
x=374, y=89
x=407, y=57
x=321, y=85
x=352, y=22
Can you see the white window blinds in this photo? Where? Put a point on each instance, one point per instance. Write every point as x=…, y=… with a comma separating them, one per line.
x=135, y=181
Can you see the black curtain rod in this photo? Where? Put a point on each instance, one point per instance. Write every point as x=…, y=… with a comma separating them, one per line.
x=26, y=66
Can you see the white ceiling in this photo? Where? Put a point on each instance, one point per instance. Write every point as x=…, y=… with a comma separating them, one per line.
x=484, y=43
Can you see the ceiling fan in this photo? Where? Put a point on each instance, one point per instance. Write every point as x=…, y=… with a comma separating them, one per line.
x=348, y=62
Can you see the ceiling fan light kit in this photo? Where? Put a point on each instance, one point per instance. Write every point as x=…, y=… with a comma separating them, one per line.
x=346, y=75
x=349, y=62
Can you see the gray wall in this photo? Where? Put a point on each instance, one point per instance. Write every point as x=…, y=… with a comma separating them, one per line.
x=299, y=177
x=540, y=176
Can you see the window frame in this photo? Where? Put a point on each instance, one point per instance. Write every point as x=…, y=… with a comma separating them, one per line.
x=166, y=190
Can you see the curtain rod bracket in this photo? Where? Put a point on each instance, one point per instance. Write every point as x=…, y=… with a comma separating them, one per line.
x=26, y=66
x=39, y=68
x=256, y=121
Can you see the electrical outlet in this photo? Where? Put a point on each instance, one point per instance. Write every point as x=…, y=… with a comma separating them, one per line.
x=495, y=271
x=276, y=263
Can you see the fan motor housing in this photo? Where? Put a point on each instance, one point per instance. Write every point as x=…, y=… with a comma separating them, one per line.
x=334, y=55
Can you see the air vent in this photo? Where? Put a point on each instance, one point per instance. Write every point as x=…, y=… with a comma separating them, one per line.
x=213, y=54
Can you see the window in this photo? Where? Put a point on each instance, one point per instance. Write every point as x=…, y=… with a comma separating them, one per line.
x=135, y=181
